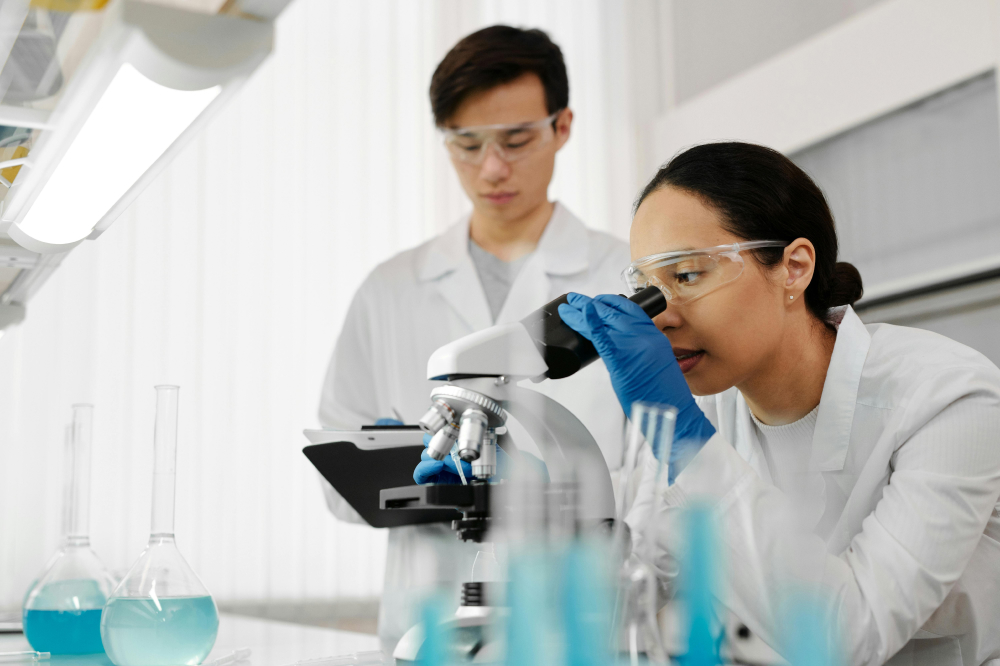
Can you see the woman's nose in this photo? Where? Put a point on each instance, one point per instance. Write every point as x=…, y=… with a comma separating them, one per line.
x=668, y=319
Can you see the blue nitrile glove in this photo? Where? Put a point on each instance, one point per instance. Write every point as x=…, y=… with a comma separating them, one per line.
x=642, y=366
x=429, y=470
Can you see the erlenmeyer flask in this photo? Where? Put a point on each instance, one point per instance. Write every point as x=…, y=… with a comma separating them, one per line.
x=62, y=610
x=160, y=614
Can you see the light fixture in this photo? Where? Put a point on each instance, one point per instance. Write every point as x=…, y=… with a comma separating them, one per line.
x=135, y=121
x=149, y=85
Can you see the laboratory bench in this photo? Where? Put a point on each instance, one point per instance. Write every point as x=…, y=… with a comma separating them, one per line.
x=272, y=643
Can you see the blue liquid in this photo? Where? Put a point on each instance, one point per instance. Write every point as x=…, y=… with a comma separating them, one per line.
x=64, y=632
x=167, y=632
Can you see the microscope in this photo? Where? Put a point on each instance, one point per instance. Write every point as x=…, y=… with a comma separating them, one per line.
x=481, y=374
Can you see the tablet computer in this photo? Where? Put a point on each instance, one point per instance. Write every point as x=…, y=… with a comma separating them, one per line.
x=360, y=463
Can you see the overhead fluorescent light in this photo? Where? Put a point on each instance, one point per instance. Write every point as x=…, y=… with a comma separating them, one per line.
x=134, y=122
x=149, y=82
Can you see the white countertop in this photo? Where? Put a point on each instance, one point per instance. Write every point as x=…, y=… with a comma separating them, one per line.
x=273, y=643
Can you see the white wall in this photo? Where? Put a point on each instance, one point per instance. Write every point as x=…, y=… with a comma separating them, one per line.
x=231, y=273
x=717, y=39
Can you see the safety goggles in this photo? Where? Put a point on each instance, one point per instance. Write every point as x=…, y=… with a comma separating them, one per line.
x=690, y=274
x=511, y=142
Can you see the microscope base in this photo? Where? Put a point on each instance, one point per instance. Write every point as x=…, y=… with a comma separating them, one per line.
x=472, y=637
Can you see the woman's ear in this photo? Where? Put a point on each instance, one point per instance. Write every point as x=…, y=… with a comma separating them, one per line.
x=799, y=263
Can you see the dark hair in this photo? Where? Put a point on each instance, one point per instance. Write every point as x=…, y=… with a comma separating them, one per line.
x=493, y=56
x=762, y=195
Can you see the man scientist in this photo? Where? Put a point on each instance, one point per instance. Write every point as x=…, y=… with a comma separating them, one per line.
x=501, y=100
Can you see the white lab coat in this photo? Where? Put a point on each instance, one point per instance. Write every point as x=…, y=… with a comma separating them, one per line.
x=420, y=300
x=902, y=530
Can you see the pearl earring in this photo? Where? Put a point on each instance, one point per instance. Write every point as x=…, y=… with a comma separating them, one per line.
x=791, y=298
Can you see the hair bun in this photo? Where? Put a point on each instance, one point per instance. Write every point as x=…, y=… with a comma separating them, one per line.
x=847, y=287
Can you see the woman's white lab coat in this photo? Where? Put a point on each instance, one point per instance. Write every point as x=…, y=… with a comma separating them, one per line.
x=420, y=300
x=901, y=533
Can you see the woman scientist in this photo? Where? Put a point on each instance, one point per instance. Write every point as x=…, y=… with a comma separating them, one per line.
x=862, y=461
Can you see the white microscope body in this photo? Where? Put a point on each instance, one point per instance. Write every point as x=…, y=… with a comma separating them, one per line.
x=482, y=372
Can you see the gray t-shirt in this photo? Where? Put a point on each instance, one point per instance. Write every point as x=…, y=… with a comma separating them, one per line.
x=496, y=275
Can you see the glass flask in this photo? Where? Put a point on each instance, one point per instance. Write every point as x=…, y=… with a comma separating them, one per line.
x=62, y=609
x=160, y=614
x=636, y=607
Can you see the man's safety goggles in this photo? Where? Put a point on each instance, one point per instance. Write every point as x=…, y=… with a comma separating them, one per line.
x=685, y=276
x=511, y=142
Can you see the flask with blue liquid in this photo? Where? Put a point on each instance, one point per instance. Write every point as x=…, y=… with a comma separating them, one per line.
x=62, y=609
x=160, y=614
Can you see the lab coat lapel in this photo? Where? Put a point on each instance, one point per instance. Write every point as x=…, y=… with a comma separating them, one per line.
x=840, y=394
x=562, y=250
x=448, y=265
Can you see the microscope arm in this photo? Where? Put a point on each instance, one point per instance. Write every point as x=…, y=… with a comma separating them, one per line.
x=569, y=450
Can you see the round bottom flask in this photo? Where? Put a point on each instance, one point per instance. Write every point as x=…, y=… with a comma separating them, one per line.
x=62, y=609
x=161, y=614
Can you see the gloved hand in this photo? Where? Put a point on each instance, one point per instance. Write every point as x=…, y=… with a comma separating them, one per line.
x=642, y=366
x=429, y=470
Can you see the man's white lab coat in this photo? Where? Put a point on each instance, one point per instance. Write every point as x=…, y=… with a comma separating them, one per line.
x=901, y=538
x=420, y=300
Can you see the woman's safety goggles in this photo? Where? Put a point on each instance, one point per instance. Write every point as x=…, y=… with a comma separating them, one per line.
x=685, y=276
x=511, y=142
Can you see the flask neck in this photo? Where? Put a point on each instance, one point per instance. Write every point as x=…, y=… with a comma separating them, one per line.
x=164, y=461
x=76, y=541
x=77, y=478
x=161, y=539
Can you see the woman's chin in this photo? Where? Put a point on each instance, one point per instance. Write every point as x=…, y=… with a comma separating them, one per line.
x=702, y=381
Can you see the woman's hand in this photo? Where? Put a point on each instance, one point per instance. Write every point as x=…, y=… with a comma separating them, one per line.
x=642, y=365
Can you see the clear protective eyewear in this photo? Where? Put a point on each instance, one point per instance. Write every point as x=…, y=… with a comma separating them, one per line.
x=512, y=142
x=690, y=274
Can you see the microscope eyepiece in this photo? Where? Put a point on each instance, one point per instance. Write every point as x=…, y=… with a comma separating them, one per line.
x=565, y=351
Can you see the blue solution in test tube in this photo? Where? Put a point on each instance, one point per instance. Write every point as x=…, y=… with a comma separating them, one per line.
x=526, y=596
x=809, y=640
x=586, y=606
x=698, y=578
x=434, y=651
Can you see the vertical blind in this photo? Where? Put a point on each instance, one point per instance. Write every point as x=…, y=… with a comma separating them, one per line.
x=230, y=277
x=916, y=190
